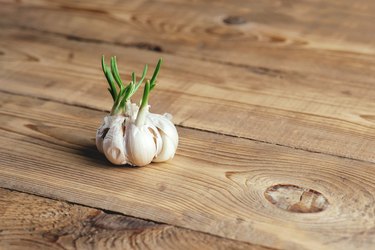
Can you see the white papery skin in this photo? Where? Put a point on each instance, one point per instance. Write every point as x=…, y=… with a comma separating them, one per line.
x=113, y=143
x=131, y=111
x=168, y=134
x=142, y=143
x=102, y=132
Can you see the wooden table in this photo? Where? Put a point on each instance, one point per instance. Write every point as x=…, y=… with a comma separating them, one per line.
x=274, y=102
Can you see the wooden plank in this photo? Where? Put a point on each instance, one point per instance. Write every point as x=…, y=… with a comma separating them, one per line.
x=326, y=115
x=226, y=186
x=32, y=222
x=335, y=25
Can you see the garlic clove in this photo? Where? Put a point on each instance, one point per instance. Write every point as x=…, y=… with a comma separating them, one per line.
x=142, y=143
x=164, y=123
x=168, y=134
x=168, y=151
x=113, y=143
x=157, y=138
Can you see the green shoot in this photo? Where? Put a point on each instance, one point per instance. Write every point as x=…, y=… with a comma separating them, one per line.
x=142, y=78
x=145, y=96
x=121, y=94
x=156, y=72
x=115, y=72
x=134, y=78
x=143, y=110
x=110, y=80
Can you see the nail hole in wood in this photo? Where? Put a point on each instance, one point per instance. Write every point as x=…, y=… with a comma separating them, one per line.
x=296, y=199
x=234, y=20
x=149, y=46
x=277, y=39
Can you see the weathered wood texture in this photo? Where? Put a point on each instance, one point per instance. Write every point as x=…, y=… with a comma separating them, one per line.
x=291, y=76
x=31, y=222
x=216, y=184
x=293, y=73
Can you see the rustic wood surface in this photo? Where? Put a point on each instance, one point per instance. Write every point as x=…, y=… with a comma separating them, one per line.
x=275, y=107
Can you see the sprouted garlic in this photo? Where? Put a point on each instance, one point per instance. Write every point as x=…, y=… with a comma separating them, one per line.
x=131, y=134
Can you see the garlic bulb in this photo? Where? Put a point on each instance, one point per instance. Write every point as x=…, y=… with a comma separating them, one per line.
x=131, y=134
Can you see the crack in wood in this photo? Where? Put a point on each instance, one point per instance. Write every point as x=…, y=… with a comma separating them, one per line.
x=139, y=45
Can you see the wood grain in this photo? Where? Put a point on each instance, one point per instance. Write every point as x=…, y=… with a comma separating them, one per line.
x=288, y=75
x=31, y=222
x=317, y=39
x=332, y=115
x=215, y=184
x=200, y=25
